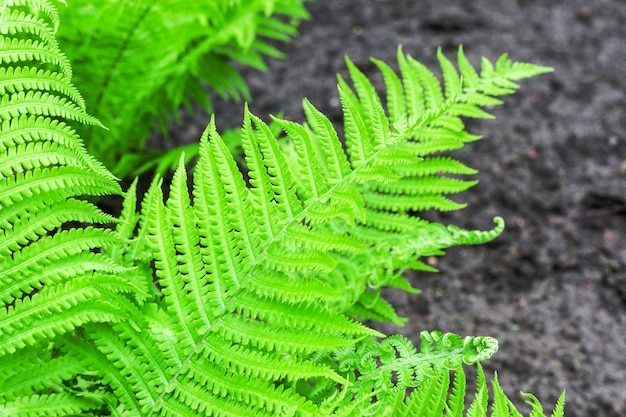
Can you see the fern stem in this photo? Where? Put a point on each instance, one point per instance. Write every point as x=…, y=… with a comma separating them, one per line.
x=118, y=58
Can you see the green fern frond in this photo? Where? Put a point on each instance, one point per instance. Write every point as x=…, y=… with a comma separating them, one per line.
x=31, y=129
x=54, y=277
x=45, y=104
x=54, y=318
x=427, y=400
x=216, y=256
x=406, y=172
x=456, y=402
x=255, y=325
x=14, y=50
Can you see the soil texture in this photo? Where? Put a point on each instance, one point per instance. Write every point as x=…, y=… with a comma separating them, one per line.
x=552, y=288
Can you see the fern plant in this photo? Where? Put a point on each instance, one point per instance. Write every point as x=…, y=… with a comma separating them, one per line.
x=174, y=50
x=241, y=296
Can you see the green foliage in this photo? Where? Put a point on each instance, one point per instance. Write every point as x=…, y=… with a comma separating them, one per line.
x=173, y=50
x=240, y=296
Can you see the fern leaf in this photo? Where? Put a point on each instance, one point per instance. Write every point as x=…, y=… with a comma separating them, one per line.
x=559, y=408
x=187, y=242
x=162, y=246
x=478, y=407
x=61, y=269
x=471, y=79
x=404, y=203
x=372, y=306
x=45, y=252
x=386, y=368
x=333, y=158
x=518, y=70
x=312, y=184
x=18, y=104
x=283, y=238
x=536, y=407
x=281, y=182
x=291, y=288
x=145, y=378
x=432, y=166
x=501, y=404
x=18, y=21
x=426, y=185
x=68, y=315
x=37, y=155
x=428, y=83
x=89, y=357
x=203, y=380
x=266, y=249
x=60, y=180
x=256, y=364
x=256, y=325
x=374, y=117
x=30, y=228
x=27, y=129
x=261, y=184
x=360, y=148
x=42, y=8
x=451, y=78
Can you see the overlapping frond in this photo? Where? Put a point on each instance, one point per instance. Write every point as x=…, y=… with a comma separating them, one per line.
x=174, y=50
x=243, y=261
x=53, y=274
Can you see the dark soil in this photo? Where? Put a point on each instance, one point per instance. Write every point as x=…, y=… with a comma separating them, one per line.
x=552, y=288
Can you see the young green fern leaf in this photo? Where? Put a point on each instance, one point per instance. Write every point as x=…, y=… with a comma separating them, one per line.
x=381, y=372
